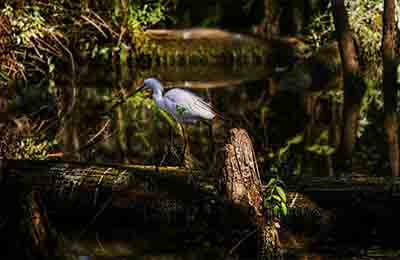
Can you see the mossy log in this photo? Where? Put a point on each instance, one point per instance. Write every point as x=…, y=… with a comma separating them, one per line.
x=198, y=46
x=69, y=178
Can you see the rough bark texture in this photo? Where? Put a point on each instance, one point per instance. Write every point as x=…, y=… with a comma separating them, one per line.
x=241, y=175
x=243, y=187
x=353, y=84
x=390, y=84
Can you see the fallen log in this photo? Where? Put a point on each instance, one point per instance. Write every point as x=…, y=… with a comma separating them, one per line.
x=76, y=178
x=172, y=190
x=184, y=198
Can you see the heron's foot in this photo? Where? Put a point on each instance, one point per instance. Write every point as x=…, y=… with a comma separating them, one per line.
x=170, y=155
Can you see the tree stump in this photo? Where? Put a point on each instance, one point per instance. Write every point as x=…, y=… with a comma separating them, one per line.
x=242, y=186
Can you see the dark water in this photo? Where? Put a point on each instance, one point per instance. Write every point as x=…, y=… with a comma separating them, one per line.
x=255, y=98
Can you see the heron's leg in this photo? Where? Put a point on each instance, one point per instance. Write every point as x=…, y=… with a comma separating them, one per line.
x=170, y=147
x=211, y=135
x=184, y=142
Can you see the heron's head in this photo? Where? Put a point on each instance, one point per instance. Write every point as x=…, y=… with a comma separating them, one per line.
x=153, y=84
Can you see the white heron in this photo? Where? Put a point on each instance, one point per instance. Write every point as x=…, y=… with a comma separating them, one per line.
x=184, y=106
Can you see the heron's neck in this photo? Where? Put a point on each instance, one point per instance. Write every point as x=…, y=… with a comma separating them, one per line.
x=158, y=98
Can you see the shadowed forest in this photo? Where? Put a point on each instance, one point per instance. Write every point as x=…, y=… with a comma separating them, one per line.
x=179, y=129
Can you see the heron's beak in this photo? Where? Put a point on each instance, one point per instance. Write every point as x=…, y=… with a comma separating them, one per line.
x=139, y=89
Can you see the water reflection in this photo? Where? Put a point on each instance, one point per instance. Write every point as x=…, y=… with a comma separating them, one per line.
x=273, y=106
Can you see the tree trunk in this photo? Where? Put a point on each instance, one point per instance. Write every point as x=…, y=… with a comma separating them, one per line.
x=353, y=84
x=270, y=23
x=295, y=20
x=389, y=84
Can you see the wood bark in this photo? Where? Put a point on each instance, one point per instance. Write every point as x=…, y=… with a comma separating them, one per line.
x=243, y=188
x=353, y=84
x=390, y=84
x=271, y=25
x=71, y=180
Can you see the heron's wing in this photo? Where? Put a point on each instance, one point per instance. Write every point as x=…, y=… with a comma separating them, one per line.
x=195, y=106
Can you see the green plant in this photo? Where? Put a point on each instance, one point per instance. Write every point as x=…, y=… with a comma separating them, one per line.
x=275, y=198
x=365, y=18
x=37, y=40
x=321, y=29
x=282, y=158
x=32, y=148
x=141, y=17
x=321, y=146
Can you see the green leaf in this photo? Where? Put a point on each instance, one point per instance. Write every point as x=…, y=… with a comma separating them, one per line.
x=270, y=182
x=283, y=151
x=276, y=210
x=276, y=197
x=284, y=208
x=313, y=148
x=281, y=193
x=296, y=140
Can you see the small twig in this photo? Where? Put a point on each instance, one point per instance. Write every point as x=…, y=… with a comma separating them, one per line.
x=98, y=241
x=104, y=23
x=241, y=241
x=293, y=201
x=99, y=133
x=121, y=35
x=101, y=210
x=68, y=51
x=94, y=143
x=94, y=24
x=50, y=49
